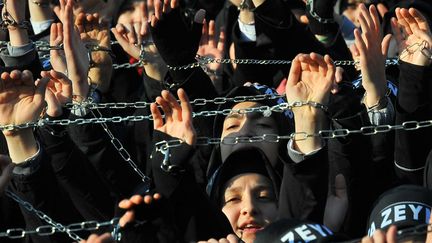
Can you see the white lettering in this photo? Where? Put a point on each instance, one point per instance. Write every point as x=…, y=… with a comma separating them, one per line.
x=399, y=213
x=305, y=233
x=415, y=210
x=386, y=221
x=318, y=228
x=288, y=237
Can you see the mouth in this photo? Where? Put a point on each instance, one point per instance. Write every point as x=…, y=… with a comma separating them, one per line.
x=251, y=228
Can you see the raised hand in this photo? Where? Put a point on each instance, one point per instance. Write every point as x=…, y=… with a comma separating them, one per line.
x=178, y=117
x=21, y=101
x=176, y=41
x=133, y=203
x=210, y=46
x=311, y=79
x=96, y=34
x=371, y=49
x=75, y=51
x=58, y=92
x=413, y=36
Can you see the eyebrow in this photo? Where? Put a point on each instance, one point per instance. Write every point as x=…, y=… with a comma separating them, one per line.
x=234, y=115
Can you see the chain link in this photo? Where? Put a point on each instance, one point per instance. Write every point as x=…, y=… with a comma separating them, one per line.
x=17, y=233
x=124, y=153
x=43, y=46
x=297, y=136
x=265, y=110
x=47, y=230
x=197, y=102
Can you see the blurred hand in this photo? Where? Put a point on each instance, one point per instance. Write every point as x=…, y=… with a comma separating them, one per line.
x=133, y=203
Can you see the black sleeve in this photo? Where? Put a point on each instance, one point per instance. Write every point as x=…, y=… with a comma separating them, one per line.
x=76, y=175
x=195, y=216
x=94, y=142
x=413, y=104
x=304, y=188
x=35, y=183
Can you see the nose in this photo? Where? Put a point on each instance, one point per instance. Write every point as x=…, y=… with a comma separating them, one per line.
x=249, y=207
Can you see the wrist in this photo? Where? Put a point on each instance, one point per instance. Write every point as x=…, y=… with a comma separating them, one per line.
x=21, y=144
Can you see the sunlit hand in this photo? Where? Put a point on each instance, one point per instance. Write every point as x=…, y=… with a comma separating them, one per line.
x=58, y=92
x=210, y=46
x=132, y=203
x=413, y=36
x=371, y=49
x=93, y=33
x=21, y=101
x=178, y=117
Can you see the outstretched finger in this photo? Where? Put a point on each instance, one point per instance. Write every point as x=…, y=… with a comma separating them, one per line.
x=359, y=43
x=158, y=9
x=221, y=42
x=165, y=108
x=420, y=19
x=185, y=106
x=127, y=217
x=294, y=74
x=402, y=21
x=385, y=44
x=319, y=60
x=157, y=116
x=331, y=68
x=211, y=34
x=39, y=95
x=174, y=105
x=376, y=24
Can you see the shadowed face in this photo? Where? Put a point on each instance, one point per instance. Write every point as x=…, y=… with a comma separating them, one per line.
x=246, y=125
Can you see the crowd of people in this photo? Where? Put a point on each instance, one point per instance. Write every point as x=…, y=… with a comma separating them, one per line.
x=216, y=121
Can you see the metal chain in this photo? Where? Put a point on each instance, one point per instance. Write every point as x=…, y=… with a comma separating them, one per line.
x=198, y=102
x=44, y=46
x=266, y=110
x=58, y=226
x=47, y=230
x=123, y=152
x=208, y=60
x=298, y=136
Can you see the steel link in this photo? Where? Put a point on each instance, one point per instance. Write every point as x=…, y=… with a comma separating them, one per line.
x=42, y=216
x=47, y=230
x=298, y=136
x=121, y=150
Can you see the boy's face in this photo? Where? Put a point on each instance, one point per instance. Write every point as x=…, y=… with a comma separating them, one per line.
x=246, y=125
